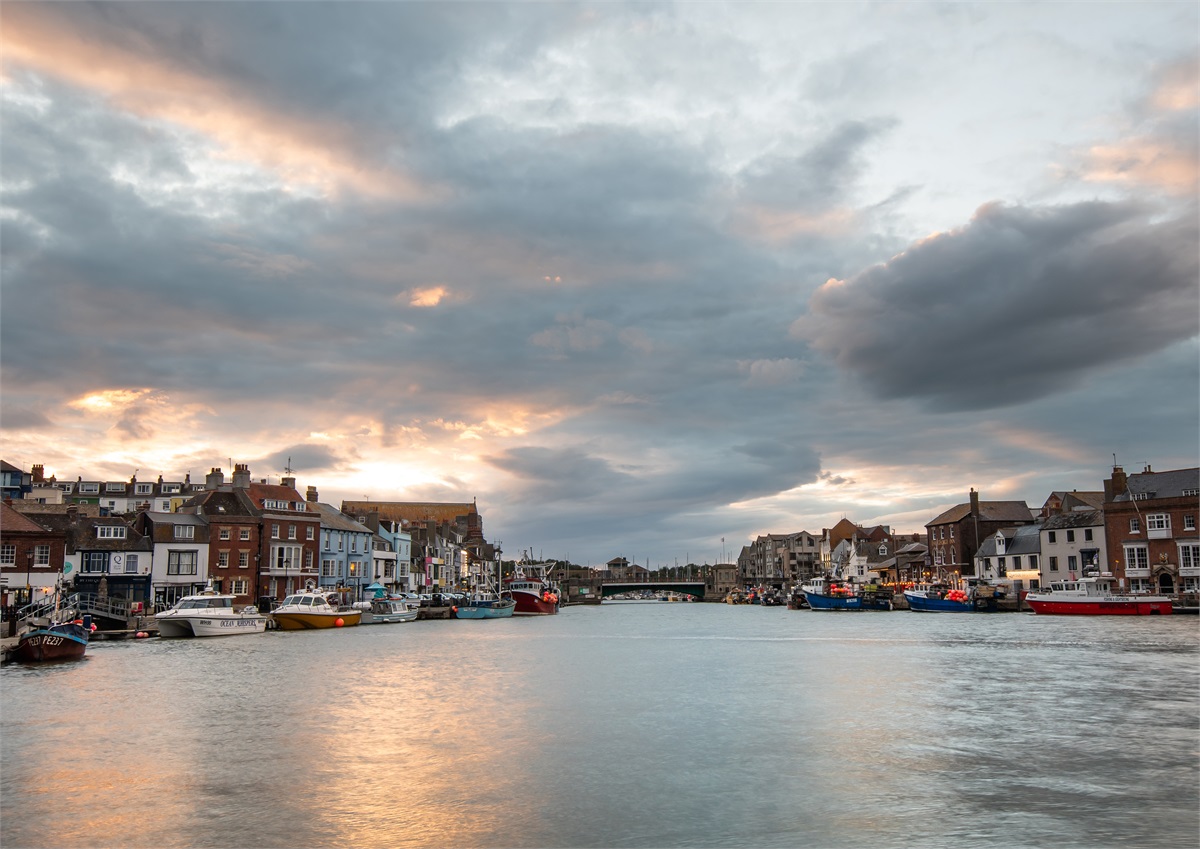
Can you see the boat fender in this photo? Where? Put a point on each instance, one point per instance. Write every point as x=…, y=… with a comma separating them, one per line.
x=339, y=622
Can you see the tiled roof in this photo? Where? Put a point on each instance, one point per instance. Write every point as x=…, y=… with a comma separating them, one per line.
x=13, y=522
x=989, y=511
x=1074, y=519
x=336, y=520
x=1161, y=484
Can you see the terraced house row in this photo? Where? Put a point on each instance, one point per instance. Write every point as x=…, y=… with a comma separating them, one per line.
x=1140, y=529
x=152, y=543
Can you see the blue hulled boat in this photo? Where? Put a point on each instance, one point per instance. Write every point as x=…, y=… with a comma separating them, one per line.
x=942, y=598
x=835, y=594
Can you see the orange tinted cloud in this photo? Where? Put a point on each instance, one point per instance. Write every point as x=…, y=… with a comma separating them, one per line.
x=313, y=153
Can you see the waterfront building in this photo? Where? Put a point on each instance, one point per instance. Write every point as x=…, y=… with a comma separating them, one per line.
x=1150, y=529
x=954, y=536
x=1073, y=545
x=234, y=537
x=1011, y=556
x=106, y=555
x=179, y=555
x=347, y=550
x=446, y=537
x=780, y=560
x=15, y=483
x=31, y=558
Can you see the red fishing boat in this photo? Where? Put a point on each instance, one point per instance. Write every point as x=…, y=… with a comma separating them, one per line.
x=1094, y=597
x=532, y=590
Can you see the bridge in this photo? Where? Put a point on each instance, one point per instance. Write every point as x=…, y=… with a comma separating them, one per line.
x=692, y=588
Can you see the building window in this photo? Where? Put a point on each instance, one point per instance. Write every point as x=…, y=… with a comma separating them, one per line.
x=1139, y=585
x=329, y=569
x=1033, y=561
x=1158, y=522
x=110, y=531
x=1017, y=561
x=1070, y=536
x=8, y=554
x=1135, y=525
x=1087, y=534
x=142, y=489
x=1051, y=537
x=243, y=534
x=166, y=506
x=89, y=488
x=341, y=542
x=274, y=531
x=952, y=532
x=243, y=560
x=223, y=560
x=1189, y=556
x=223, y=533
x=311, y=531
x=95, y=561
x=1053, y=564
x=238, y=586
x=41, y=555
x=114, y=487
x=131, y=564
x=285, y=557
x=308, y=560
x=1072, y=562
x=1189, y=523
x=181, y=563
x=353, y=568
x=185, y=532
x=291, y=531
x=1136, y=557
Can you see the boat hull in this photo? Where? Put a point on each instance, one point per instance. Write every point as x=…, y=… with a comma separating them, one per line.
x=52, y=644
x=924, y=604
x=485, y=610
x=529, y=604
x=313, y=621
x=209, y=626
x=816, y=601
x=1115, y=606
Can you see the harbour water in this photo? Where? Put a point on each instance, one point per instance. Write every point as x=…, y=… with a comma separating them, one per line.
x=624, y=725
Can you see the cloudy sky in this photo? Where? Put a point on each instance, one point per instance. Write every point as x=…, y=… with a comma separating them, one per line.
x=635, y=276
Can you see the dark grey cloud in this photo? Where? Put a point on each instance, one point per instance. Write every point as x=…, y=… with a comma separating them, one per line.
x=304, y=460
x=1020, y=303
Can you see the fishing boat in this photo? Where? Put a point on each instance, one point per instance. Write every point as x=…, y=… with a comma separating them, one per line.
x=827, y=593
x=208, y=614
x=943, y=598
x=532, y=590
x=307, y=610
x=63, y=640
x=1094, y=596
x=486, y=605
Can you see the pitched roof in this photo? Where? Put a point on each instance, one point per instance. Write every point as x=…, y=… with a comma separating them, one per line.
x=13, y=522
x=1074, y=519
x=1161, y=484
x=336, y=520
x=989, y=511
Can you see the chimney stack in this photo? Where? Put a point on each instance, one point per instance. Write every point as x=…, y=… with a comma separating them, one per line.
x=214, y=479
x=241, y=476
x=974, y=502
x=311, y=495
x=289, y=482
x=39, y=473
x=1116, y=485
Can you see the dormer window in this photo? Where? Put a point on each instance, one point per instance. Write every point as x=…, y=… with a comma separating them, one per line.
x=143, y=489
x=185, y=532
x=171, y=487
x=110, y=532
x=114, y=487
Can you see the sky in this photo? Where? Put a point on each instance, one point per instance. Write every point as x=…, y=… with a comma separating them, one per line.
x=642, y=279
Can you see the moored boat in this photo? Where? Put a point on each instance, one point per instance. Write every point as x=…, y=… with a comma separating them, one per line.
x=209, y=614
x=534, y=593
x=307, y=610
x=1094, y=597
x=943, y=598
x=486, y=606
x=66, y=640
x=825, y=593
x=381, y=611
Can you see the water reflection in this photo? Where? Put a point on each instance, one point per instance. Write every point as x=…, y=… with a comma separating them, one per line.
x=671, y=725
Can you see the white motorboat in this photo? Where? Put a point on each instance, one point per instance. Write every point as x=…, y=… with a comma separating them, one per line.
x=209, y=614
x=383, y=610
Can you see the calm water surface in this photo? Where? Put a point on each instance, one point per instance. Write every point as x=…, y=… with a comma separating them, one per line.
x=624, y=725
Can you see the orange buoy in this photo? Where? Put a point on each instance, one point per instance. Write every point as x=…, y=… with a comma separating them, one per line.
x=339, y=622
